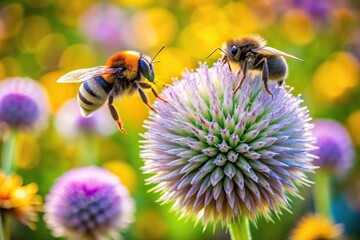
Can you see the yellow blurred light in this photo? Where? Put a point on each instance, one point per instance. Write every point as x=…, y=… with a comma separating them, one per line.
x=335, y=77
x=296, y=25
x=344, y=22
x=49, y=50
x=132, y=110
x=35, y=28
x=12, y=20
x=353, y=123
x=350, y=66
x=28, y=152
x=197, y=3
x=150, y=225
x=77, y=56
x=125, y=172
x=173, y=62
x=11, y=66
x=243, y=23
x=263, y=10
x=58, y=92
x=69, y=11
x=204, y=34
x=199, y=41
x=153, y=28
x=2, y=71
x=132, y=3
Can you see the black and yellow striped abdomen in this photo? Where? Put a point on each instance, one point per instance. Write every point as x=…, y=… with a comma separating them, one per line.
x=93, y=93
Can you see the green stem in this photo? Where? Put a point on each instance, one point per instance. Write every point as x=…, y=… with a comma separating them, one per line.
x=240, y=230
x=322, y=195
x=88, y=151
x=5, y=227
x=2, y=234
x=8, y=152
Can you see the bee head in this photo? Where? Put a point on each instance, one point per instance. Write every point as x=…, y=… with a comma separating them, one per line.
x=146, y=69
x=235, y=52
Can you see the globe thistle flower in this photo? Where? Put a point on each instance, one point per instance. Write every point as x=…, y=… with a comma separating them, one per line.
x=313, y=227
x=23, y=104
x=21, y=202
x=219, y=156
x=69, y=123
x=335, y=150
x=88, y=203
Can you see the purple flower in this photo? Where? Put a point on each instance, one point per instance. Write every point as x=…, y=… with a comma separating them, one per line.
x=219, y=156
x=70, y=123
x=335, y=151
x=319, y=10
x=105, y=24
x=88, y=203
x=23, y=103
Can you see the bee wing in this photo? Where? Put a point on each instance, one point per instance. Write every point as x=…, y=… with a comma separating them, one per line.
x=85, y=74
x=274, y=52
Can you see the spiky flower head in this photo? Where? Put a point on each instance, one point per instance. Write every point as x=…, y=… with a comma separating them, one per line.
x=88, y=203
x=313, y=227
x=23, y=103
x=70, y=123
x=219, y=156
x=18, y=200
x=335, y=150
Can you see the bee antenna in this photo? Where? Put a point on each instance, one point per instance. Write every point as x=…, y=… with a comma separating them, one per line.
x=156, y=61
x=216, y=49
x=157, y=53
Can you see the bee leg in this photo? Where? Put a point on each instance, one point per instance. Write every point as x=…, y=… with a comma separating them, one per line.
x=143, y=97
x=245, y=70
x=114, y=113
x=146, y=85
x=265, y=77
x=225, y=60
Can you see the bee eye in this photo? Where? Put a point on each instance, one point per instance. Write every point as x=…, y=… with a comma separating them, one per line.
x=146, y=69
x=234, y=50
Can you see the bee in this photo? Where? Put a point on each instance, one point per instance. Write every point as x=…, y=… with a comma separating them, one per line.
x=123, y=73
x=251, y=53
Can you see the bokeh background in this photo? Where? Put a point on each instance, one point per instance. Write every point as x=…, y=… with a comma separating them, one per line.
x=44, y=39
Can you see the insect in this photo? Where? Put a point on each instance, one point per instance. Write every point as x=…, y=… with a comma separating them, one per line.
x=123, y=73
x=251, y=53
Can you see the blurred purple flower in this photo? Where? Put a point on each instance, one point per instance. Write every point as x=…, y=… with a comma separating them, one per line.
x=69, y=123
x=220, y=156
x=335, y=147
x=105, y=24
x=319, y=10
x=88, y=203
x=23, y=104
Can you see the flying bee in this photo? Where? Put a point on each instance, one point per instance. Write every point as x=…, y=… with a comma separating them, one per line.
x=251, y=53
x=123, y=73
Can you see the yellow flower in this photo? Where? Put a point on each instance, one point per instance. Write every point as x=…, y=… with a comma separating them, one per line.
x=21, y=202
x=313, y=227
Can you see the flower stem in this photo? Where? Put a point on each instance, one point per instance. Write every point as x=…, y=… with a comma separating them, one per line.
x=322, y=193
x=88, y=151
x=8, y=152
x=240, y=230
x=4, y=227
